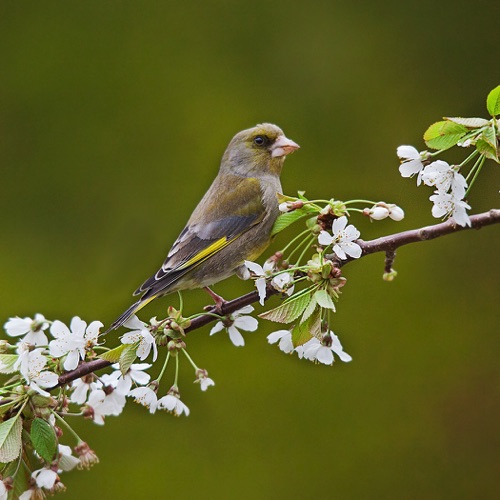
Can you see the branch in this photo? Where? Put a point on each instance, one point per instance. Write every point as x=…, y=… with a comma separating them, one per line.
x=387, y=244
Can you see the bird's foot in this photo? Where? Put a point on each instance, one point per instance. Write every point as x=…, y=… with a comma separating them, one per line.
x=219, y=301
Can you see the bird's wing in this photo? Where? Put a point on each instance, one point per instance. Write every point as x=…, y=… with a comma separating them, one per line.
x=226, y=218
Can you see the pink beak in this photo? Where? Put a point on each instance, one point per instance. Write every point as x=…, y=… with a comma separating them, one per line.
x=283, y=147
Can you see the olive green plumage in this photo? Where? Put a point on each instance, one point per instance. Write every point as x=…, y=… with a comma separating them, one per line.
x=231, y=223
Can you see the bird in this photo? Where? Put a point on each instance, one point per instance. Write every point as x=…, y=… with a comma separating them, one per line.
x=232, y=222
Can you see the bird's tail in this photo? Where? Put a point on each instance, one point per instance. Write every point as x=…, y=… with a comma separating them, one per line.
x=130, y=312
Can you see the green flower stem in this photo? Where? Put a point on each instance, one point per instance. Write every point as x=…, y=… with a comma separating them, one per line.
x=181, y=302
x=164, y=367
x=294, y=240
x=176, y=371
x=309, y=243
x=190, y=359
x=480, y=164
x=350, y=202
x=197, y=315
x=68, y=427
x=469, y=158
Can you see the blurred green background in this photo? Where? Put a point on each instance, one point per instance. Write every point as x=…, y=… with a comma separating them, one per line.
x=113, y=118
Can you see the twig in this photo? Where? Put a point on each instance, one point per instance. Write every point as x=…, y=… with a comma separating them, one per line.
x=387, y=244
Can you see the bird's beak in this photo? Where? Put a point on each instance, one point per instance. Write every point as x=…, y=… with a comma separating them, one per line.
x=283, y=146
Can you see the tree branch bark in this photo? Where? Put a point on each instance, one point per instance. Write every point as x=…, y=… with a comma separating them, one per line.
x=387, y=244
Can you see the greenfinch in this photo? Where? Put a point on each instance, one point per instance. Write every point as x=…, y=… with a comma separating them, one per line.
x=232, y=223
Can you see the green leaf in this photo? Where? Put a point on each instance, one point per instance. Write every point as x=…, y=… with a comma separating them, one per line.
x=490, y=137
x=303, y=332
x=493, y=102
x=290, y=310
x=44, y=439
x=300, y=334
x=7, y=363
x=309, y=309
x=469, y=122
x=7, y=406
x=10, y=439
x=324, y=300
x=127, y=357
x=484, y=148
x=113, y=356
x=284, y=220
x=20, y=479
x=444, y=134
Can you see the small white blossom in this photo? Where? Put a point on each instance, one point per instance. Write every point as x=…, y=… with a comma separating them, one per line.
x=32, y=328
x=140, y=334
x=235, y=321
x=67, y=461
x=285, y=340
x=103, y=404
x=45, y=478
x=444, y=178
x=203, y=379
x=411, y=161
x=172, y=403
x=465, y=144
x=74, y=341
x=447, y=204
x=31, y=364
x=282, y=282
x=322, y=351
x=81, y=389
x=341, y=239
x=123, y=383
x=4, y=492
x=146, y=397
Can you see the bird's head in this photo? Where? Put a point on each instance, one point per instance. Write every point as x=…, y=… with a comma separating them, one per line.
x=258, y=151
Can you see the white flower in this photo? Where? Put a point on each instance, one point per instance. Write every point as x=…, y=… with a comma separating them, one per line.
x=32, y=328
x=342, y=239
x=81, y=388
x=465, y=144
x=322, y=351
x=123, y=383
x=66, y=459
x=173, y=404
x=140, y=334
x=146, y=397
x=103, y=404
x=411, y=161
x=285, y=338
x=73, y=343
x=447, y=204
x=262, y=272
x=203, y=379
x=45, y=478
x=31, y=364
x=444, y=178
x=281, y=282
x=235, y=321
x=4, y=492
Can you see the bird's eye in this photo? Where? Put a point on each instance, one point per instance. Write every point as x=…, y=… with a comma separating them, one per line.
x=261, y=140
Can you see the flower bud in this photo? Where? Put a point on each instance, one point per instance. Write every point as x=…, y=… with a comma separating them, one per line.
x=396, y=213
x=379, y=213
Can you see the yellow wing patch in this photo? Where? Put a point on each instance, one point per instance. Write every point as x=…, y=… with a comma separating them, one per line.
x=207, y=252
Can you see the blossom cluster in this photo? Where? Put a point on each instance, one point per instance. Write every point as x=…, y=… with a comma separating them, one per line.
x=316, y=350
x=32, y=398
x=451, y=185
